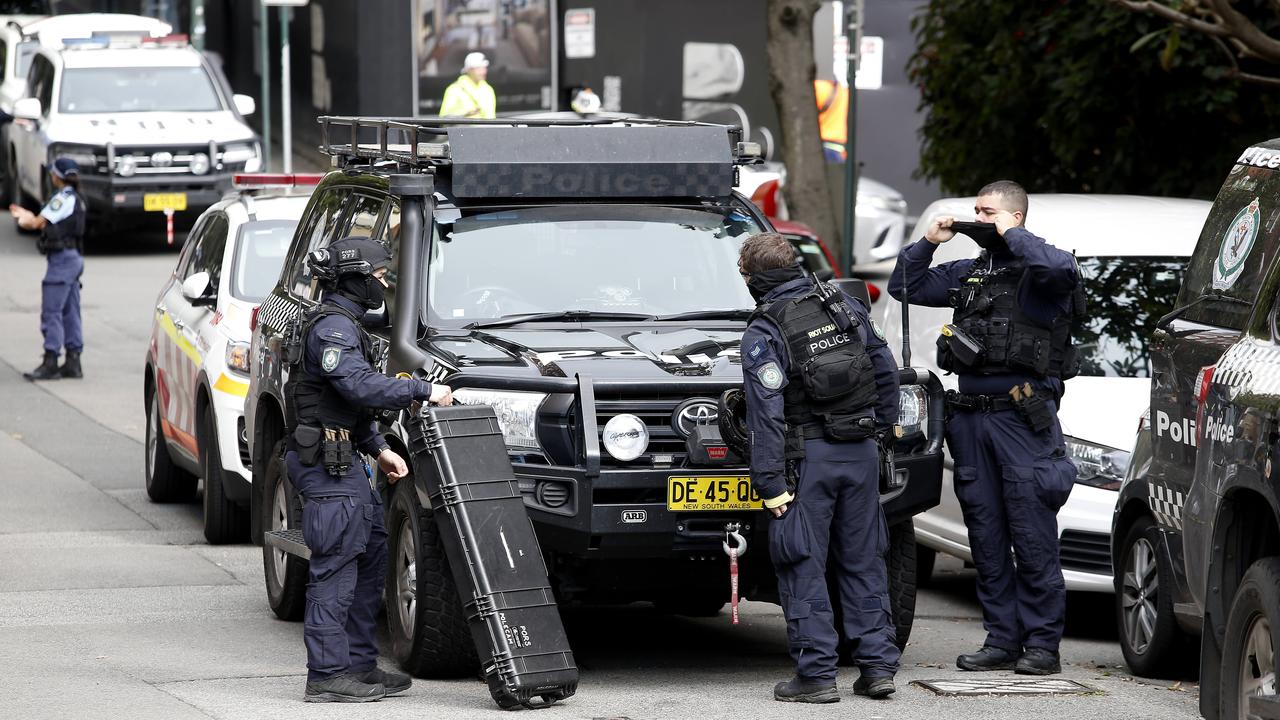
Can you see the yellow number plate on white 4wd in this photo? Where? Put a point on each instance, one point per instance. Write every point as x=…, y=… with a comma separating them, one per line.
x=159, y=202
x=711, y=493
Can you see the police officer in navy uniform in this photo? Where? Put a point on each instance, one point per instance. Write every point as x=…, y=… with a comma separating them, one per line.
x=1010, y=344
x=330, y=395
x=821, y=388
x=61, y=224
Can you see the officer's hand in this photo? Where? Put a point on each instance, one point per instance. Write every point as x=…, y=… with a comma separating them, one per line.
x=393, y=465
x=939, y=230
x=779, y=511
x=441, y=394
x=18, y=211
x=1004, y=220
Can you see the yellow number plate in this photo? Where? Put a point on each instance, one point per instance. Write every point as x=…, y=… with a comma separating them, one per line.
x=711, y=493
x=159, y=202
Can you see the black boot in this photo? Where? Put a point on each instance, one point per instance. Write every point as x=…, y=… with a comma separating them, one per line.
x=394, y=682
x=988, y=658
x=806, y=691
x=874, y=687
x=1038, y=661
x=343, y=688
x=48, y=369
x=71, y=368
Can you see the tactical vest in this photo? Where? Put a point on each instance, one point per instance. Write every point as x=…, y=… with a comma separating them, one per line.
x=831, y=381
x=987, y=310
x=312, y=399
x=68, y=234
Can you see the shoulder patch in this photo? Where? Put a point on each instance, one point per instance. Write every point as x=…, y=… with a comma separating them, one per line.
x=329, y=360
x=756, y=349
x=770, y=375
x=55, y=204
x=875, y=327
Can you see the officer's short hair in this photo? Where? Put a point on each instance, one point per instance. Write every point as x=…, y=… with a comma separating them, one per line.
x=766, y=251
x=1011, y=192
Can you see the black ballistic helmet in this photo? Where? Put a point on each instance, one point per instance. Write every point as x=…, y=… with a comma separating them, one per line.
x=347, y=266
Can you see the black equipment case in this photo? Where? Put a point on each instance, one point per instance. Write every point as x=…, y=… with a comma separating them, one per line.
x=497, y=564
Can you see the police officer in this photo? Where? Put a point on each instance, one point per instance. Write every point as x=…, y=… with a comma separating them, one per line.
x=820, y=385
x=61, y=225
x=330, y=395
x=1010, y=344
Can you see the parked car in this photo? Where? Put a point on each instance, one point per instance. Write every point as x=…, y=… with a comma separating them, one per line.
x=197, y=364
x=1132, y=251
x=151, y=122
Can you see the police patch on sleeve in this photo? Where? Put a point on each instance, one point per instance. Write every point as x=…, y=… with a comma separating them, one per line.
x=770, y=375
x=756, y=349
x=875, y=327
x=329, y=360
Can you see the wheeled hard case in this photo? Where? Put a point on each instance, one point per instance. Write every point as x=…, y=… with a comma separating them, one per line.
x=497, y=564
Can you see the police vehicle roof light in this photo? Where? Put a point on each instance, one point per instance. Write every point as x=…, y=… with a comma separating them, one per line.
x=170, y=39
x=261, y=180
x=435, y=151
x=86, y=43
x=749, y=152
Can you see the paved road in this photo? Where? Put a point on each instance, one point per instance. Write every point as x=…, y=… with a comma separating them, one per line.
x=113, y=607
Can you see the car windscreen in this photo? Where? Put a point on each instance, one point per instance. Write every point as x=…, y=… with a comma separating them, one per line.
x=604, y=258
x=260, y=252
x=1124, y=296
x=138, y=89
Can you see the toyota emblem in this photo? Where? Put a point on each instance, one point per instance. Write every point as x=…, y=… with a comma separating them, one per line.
x=695, y=411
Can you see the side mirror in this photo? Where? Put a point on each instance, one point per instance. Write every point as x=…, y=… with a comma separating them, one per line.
x=27, y=108
x=245, y=105
x=196, y=288
x=375, y=319
x=853, y=287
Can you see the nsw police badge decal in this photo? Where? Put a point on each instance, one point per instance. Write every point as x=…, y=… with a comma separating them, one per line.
x=329, y=360
x=770, y=375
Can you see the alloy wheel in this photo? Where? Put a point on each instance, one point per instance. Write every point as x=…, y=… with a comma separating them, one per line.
x=279, y=521
x=407, y=579
x=1140, y=593
x=1257, y=664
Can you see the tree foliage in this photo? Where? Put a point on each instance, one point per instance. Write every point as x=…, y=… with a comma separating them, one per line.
x=1080, y=96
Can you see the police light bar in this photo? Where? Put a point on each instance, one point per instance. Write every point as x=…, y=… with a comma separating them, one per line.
x=170, y=39
x=252, y=181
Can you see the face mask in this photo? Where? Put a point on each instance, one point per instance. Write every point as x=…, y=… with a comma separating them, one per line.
x=762, y=282
x=983, y=234
x=363, y=289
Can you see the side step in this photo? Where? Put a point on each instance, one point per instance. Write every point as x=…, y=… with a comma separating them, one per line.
x=290, y=541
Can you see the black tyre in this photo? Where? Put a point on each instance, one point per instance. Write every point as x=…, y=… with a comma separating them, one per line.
x=429, y=633
x=286, y=575
x=1253, y=633
x=166, y=482
x=926, y=559
x=1153, y=644
x=901, y=562
x=224, y=520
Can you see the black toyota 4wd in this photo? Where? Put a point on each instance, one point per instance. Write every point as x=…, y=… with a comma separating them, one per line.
x=1197, y=525
x=581, y=278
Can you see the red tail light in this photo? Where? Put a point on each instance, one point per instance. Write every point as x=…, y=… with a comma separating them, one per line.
x=253, y=318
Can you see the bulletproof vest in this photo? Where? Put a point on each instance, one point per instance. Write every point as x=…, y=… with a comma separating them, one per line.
x=66, y=234
x=311, y=399
x=1008, y=340
x=831, y=381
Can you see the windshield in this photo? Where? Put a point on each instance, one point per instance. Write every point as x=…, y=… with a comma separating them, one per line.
x=260, y=253
x=138, y=89
x=1124, y=296
x=603, y=258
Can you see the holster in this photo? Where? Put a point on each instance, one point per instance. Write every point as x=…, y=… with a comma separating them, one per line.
x=888, y=467
x=1035, y=412
x=306, y=439
x=962, y=349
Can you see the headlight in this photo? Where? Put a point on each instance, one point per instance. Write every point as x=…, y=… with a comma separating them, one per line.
x=1097, y=465
x=247, y=153
x=83, y=156
x=913, y=409
x=626, y=437
x=126, y=166
x=883, y=202
x=199, y=163
x=238, y=356
x=517, y=413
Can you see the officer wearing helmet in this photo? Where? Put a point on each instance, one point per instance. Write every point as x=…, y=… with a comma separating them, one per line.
x=821, y=390
x=333, y=389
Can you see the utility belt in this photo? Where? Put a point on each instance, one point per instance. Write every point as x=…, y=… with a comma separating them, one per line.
x=332, y=447
x=1032, y=408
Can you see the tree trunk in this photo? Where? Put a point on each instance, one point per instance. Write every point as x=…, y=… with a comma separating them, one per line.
x=791, y=74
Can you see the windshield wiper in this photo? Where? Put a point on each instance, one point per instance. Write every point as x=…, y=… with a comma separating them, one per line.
x=1219, y=297
x=570, y=315
x=732, y=314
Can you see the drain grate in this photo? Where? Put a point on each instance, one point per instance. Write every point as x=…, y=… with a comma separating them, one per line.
x=1005, y=686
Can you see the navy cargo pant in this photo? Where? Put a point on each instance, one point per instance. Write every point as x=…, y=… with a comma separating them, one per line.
x=837, y=509
x=1010, y=483
x=343, y=526
x=60, y=302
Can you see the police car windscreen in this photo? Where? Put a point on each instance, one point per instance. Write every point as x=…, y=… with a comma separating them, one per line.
x=605, y=258
x=260, y=253
x=137, y=89
x=1124, y=296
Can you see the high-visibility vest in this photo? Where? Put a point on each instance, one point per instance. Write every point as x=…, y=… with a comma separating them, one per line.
x=468, y=98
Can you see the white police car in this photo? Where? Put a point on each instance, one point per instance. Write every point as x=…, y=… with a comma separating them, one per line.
x=150, y=120
x=1132, y=252
x=197, y=364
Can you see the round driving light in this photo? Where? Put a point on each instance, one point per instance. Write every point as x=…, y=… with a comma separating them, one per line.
x=199, y=163
x=126, y=166
x=626, y=437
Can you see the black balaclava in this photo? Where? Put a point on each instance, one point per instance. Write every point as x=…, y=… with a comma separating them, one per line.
x=984, y=235
x=355, y=260
x=762, y=282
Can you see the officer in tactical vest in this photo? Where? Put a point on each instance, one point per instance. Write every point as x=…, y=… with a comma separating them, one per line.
x=61, y=223
x=821, y=390
x=332, y=391
x=1010, y=344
